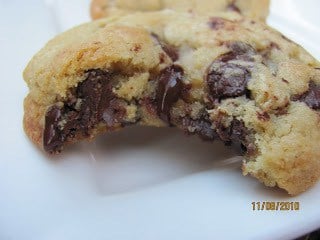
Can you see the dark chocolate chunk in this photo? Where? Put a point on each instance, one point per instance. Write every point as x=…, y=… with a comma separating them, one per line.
x=169, y=89
x=311, y=97
x=150, y=105
x=263, y=116
x=107, y=100
x=227, y=80
x=52, y=137
x=233, y=7
x=239, y=51
x=171, y=51
x=227, y=76
x=90, y=103
x=237, y=132
x=201, y=127
x=216, y=23
x=89, y=91
x=267, y=59
x=72, y=124
x=99, y=101
x=114, y=113
x=185, y=92
x=281, y=111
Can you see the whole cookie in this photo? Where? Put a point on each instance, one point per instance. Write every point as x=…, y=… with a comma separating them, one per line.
x=217, y=77
x=257, y=9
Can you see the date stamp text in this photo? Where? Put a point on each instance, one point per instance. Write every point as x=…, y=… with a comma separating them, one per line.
x=275, y=206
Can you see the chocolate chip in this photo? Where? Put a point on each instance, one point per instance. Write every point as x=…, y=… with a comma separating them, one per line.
x=113, y=113
x=90, y=103
x=52, y=137
x=282, y=111
x=227, y=80
x=241, y=50
x=169, y=89
x=150, y=105
x=267, y=60
x=311, y=97
x=90, y=93
x=216, y=23
x=107, y=99
x=72, y=124
x=168, y=49
x=201, y=127
x=233, y=7
x=237, y=132
x=263, y=116
x=228, y=75
x=238, y=51
x=185, y=92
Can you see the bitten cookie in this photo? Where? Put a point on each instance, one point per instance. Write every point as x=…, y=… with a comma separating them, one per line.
x=217, y=77
x=257, y=9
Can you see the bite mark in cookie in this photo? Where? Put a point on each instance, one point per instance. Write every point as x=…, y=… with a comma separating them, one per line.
x=236, y=132
x=216, y=87
x=201, y=127
x=92, y=102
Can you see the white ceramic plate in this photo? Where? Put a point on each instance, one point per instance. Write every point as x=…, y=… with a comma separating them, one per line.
x=143, y=183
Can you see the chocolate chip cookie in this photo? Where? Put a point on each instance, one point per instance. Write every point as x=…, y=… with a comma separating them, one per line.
x=257, y=9
x=224, y=78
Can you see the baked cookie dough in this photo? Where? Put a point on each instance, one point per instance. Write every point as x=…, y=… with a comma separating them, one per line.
x=224, y=78
x=257, y=9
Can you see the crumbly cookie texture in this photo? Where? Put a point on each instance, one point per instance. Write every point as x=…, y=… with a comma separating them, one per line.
x=217, y=77
x=256, y=9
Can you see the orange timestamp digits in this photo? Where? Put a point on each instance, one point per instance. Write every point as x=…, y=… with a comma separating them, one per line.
x=275, y=206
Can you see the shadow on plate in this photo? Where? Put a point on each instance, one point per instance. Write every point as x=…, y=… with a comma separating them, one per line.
x=141, y=157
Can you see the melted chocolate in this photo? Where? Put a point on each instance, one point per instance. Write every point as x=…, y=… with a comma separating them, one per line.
x=237, y=132
x=92, y=102
x=169, y=89
x=52, y=137
x=228, y=78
